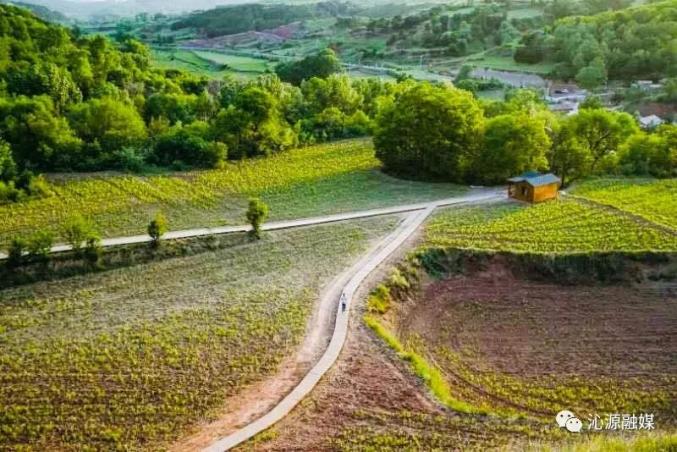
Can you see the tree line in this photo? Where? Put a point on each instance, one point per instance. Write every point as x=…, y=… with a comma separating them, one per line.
x=628, y=44
x=84, y=103
x=439, y=132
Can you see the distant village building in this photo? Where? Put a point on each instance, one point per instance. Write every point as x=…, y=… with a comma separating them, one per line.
x=647, y=85
x=650, y=122
x=534, y=187
x=565, y=97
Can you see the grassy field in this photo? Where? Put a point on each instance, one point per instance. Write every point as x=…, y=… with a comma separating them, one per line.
x=322, y=179
x=128, y=358
x=552, y=227
x=209, y=64
x=235, y=62
x=655, y=200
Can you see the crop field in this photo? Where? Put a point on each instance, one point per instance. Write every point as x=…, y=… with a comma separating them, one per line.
x=187, y=60
x=655, y=200
x=316, y=180
x=130, y=358
x=552, y=227
x=235, y=62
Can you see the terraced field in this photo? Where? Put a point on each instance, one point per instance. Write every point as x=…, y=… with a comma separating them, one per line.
x=128, y=358
x=316, y=180
x=652, y=199
x=552, y=227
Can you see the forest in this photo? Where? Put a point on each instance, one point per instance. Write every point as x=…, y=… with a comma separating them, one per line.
x=629, y=44
x=239, y=18
x=85, y=103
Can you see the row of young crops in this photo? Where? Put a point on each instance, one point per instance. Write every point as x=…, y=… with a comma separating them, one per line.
x=127, y=359
x=552, y=227
x=655, y=200
x=123, y=204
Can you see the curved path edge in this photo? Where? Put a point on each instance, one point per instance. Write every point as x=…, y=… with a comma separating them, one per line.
x=330, y=355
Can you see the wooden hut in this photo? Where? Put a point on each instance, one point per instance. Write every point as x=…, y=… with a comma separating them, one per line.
x=534, y=187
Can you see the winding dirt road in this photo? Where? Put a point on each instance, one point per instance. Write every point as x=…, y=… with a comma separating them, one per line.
x=264, y=404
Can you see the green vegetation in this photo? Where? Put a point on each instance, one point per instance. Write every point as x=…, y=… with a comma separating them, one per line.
x=443, y=133
x=429, y=132
x=631, y=44
x=647, y=442
x=157, y=228
x=84, y=363
x=321, y=65
x=227, y=20
x=649, y=198
x=563, y=226
x=256, y=215
x=310, y=181
x=432, y=377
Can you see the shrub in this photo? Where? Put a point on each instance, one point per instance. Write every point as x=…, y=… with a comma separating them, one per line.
x=256, y=215
x=93, y=250
x=39, y=245
x=157, y=228
x=75, y=231
x=15, y=252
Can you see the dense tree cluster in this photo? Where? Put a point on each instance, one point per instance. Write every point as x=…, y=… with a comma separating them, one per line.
x=87, y=103
x=227, y=20
x=321, y=65
x=459, y=32
x=629, y=44
x=443, y=133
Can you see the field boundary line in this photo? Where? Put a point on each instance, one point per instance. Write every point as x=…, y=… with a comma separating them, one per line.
x=281, y=224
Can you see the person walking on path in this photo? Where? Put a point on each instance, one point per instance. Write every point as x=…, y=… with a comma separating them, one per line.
x=343, y=302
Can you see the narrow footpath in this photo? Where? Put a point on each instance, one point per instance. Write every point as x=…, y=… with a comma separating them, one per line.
x=354, y=277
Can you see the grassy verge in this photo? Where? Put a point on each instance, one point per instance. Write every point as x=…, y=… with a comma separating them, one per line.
x=423, y=369
x=323, y=179
x=128, y=358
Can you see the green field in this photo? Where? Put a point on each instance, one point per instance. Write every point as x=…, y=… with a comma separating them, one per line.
x=128, y=358
x=209, y=64
x=323, y=179
x=235, y=62
x=563, y=226
x=655, y=200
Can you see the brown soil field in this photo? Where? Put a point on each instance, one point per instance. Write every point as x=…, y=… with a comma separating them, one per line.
x=537, y=348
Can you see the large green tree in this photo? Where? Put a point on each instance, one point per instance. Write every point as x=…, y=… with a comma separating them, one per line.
x=322, y=65
x=513, y=144
x=429, y=131
x=601, y=132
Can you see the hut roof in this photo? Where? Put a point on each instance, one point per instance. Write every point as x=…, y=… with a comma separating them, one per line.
x=536, y=179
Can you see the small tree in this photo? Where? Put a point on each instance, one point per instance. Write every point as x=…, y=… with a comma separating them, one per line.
x=76, y=231
x=93, y=250
x=40, y=245
x=157, y=228
x=256, y=215
x=15, y=252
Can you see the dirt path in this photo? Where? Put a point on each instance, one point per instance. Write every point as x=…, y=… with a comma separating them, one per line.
x=265, y=403
x=261, y=397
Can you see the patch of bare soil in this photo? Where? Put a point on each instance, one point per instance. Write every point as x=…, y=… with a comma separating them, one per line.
x=534, y=347
x=531, y=328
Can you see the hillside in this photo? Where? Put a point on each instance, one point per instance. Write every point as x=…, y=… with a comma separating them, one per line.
x=634, y=43
x=235, y=19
